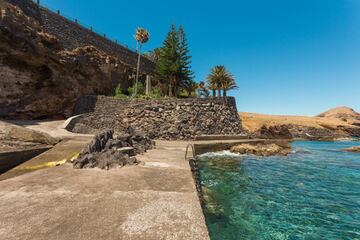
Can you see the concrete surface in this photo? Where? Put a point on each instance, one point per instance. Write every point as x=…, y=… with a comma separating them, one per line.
x=71, y=144
x=9, y=160
x=155, y=200
x=54, y=128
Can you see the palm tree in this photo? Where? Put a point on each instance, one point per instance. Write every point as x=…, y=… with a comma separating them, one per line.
x=228, y=83
x=141, y=37
x=190, y=87
x=221, y=79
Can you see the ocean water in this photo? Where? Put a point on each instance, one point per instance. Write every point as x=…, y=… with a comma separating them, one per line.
x=313, y=193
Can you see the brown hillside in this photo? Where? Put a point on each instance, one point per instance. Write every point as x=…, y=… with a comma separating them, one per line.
x=345, y=114
x=337, y=122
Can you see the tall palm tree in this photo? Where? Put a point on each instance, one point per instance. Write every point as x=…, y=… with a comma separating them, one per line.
x=141, y=36
x=221, y=79
x=228, y=83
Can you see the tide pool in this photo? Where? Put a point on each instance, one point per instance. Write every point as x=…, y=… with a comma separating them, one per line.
x=313, y=193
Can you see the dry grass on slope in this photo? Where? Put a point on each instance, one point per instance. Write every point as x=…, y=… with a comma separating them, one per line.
x=254, y=121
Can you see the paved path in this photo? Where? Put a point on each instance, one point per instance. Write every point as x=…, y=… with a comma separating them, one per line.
x=156, y=200
x=53, y=128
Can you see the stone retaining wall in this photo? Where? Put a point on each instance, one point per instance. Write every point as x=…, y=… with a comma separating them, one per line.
x=161, y=119
x=73, y=35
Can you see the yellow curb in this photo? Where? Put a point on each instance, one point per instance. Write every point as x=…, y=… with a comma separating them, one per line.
x=52, y=164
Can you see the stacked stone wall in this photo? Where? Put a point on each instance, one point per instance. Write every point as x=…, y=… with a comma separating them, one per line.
x=169, y=119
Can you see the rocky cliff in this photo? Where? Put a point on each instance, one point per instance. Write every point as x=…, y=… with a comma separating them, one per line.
x=336, y=123
x=39, y=78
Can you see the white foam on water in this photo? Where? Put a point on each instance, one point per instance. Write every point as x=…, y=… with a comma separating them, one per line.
x=221, y=154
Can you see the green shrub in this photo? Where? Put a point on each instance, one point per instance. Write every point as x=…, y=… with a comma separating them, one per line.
x=119, y=93
x=140, y=91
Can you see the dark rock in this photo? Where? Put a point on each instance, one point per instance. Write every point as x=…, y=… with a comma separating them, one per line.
x=105, y=152
x=277, y=132
x=127, y=150
x=99, y=142
x=86, y=161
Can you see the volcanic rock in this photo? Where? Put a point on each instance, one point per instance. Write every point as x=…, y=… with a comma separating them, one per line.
x=106, y=152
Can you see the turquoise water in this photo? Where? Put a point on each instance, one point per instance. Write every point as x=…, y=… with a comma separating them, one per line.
x=313, y=193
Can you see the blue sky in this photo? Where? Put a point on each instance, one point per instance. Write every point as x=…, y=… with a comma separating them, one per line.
x=289, y=57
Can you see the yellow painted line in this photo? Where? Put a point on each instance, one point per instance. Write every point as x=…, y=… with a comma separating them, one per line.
x=51, y=164
x=45, y=165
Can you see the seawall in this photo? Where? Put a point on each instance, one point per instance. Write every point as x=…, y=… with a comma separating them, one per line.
x=170, y=119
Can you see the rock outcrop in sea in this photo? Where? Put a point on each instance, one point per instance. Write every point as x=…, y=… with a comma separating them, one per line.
x=353, y=149
x=281, y=148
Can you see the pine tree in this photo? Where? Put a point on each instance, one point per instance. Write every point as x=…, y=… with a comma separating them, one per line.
x=167, y=67
x=173, y=70
x=186, y=75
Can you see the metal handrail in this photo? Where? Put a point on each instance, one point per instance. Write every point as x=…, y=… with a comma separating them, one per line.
x=187, y=149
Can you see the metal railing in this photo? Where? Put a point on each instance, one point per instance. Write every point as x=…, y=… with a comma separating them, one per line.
x=84, y=25
x=192, y=150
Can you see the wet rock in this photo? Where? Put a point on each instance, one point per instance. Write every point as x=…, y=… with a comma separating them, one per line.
x=266, y=149
x=353, y=149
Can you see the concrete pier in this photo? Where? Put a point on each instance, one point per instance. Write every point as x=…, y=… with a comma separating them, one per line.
x=155, y=200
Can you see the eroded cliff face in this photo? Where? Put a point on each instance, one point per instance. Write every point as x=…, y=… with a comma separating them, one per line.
x=40, y=79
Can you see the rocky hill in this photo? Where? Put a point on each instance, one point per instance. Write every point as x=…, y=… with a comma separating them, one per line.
x=39, y=78
x=344, y=114
x=336, y=123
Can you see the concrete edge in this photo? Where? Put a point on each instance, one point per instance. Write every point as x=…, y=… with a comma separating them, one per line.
x=69, y=121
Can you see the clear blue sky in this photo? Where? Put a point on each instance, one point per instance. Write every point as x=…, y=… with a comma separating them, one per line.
x=289, y=56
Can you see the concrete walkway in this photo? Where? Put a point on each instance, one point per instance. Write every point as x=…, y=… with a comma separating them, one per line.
x=156, y=200
x=69, y=147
